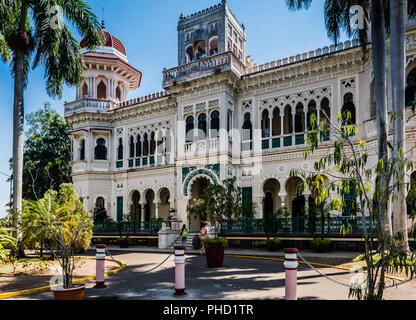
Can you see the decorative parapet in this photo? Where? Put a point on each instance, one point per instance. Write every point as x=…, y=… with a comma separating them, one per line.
x=303, y=56
x=202, y=68
x=201, y=13
x=87, y=105
x=147, y=98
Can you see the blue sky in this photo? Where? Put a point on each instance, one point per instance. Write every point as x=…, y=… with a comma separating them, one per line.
x=148, y=30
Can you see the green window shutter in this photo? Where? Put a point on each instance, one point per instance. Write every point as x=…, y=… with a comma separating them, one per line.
x=246, y=198
x=119, y=208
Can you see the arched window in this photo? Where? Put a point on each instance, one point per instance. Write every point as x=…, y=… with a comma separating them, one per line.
x=145, y=145
x=265, y=124
x=325, y=112
x=101, y=91
x=189, y=54
x=215, y=124
x=131, y=147
x=312, y=111
x=247, y=127
x=120, y=149
x=299, y=118
x=152, y=143
x=288, y=122
x=201, y=49
x=276, y=122
x=411, y=88
x=100, y=151
x=348, y=107
x=202, y=126
x=100, y=214
x=138, y=147
x=118, y=93
x=84, y=90
x=229, y=121
x=189, y=129
x=213, y=46
x=82, y=149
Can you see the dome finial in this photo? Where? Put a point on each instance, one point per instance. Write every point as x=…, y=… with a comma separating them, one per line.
x=102, y=21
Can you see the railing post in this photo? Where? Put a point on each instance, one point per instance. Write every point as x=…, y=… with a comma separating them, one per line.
x=179, y=271
x=100, y=266
x=291, y=273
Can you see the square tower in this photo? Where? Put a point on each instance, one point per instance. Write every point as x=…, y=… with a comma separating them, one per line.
x=210, y=32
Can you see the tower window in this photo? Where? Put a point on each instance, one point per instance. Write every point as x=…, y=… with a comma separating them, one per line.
x=101, y=91
x=213, y=46
x=84, y=90
x=100, y=151
x=118, y=93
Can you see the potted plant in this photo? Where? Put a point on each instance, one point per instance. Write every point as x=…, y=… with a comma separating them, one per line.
x=321, y=244
x=214, y=249
x=217, y=203
x=65, y=217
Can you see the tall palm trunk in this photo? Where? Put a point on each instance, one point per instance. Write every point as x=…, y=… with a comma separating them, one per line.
x=397, y=58
x=18, y=123
x=378, y=36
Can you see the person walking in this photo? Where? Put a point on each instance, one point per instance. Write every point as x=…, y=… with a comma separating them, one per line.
x=184, y=235
x=204, y=234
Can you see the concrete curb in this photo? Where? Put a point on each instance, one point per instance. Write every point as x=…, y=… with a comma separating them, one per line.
x=46, y=288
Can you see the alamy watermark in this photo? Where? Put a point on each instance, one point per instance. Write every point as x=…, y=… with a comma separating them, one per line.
x=56, y=17
x=357, y=18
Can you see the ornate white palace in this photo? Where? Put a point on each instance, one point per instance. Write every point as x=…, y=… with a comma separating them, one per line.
x=219, y=116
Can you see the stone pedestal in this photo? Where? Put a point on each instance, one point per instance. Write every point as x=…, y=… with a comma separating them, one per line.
x=167, y=238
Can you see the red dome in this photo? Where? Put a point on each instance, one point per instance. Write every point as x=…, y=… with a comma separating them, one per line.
x=110, y=41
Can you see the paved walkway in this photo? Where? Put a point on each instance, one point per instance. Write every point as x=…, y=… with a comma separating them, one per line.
x=240, y=278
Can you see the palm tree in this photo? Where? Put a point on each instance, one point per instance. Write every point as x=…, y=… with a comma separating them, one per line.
x=397, y=56
x=337, y=18
x=34, y=32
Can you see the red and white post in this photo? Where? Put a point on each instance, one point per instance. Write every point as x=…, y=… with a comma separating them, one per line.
x=100, y=265
x=179, y=271
x=291, y=273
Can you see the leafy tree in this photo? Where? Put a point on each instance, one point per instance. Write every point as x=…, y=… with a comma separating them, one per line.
x=39, y=219
x=47, y=153
x=346, y=162
x=33, y=31
x=219, y=202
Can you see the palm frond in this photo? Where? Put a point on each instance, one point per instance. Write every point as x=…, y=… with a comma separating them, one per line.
x=5, y=52
x=298, y=4
x=82, y=17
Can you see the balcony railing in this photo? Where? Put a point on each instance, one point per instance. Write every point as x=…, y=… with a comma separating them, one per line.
x=332, y=225
x=289, y=140
x=202, y=147
x=145, y=161
x=202, y=68
x=88, y=105
x=131, y=228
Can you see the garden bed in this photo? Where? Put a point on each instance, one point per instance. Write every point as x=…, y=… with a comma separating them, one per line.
x=31, y=273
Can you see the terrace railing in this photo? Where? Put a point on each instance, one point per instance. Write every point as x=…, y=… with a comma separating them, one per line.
x=131, y=228
x=299, y=225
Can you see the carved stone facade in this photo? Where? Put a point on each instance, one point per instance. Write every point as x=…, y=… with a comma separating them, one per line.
x=217, y=118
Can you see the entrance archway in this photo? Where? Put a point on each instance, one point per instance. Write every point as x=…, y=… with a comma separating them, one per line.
x=149, y=205
x=296, y=204
x=198, y=187
x=271, y=190
x=136, y=212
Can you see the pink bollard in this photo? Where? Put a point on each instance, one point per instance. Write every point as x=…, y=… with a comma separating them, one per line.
x=179, y=271
x=100, y=265
x=291, y=273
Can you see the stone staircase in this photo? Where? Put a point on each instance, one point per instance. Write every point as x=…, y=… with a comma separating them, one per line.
x=188, y=240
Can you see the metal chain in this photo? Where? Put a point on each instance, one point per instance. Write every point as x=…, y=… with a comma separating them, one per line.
x=116, y=261
x=324, y=275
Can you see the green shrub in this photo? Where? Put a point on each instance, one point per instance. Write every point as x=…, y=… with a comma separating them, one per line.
x=321, y=243
x=208, y=241
x=277, y=242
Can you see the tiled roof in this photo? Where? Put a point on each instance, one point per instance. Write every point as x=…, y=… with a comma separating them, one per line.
x=110, y=41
